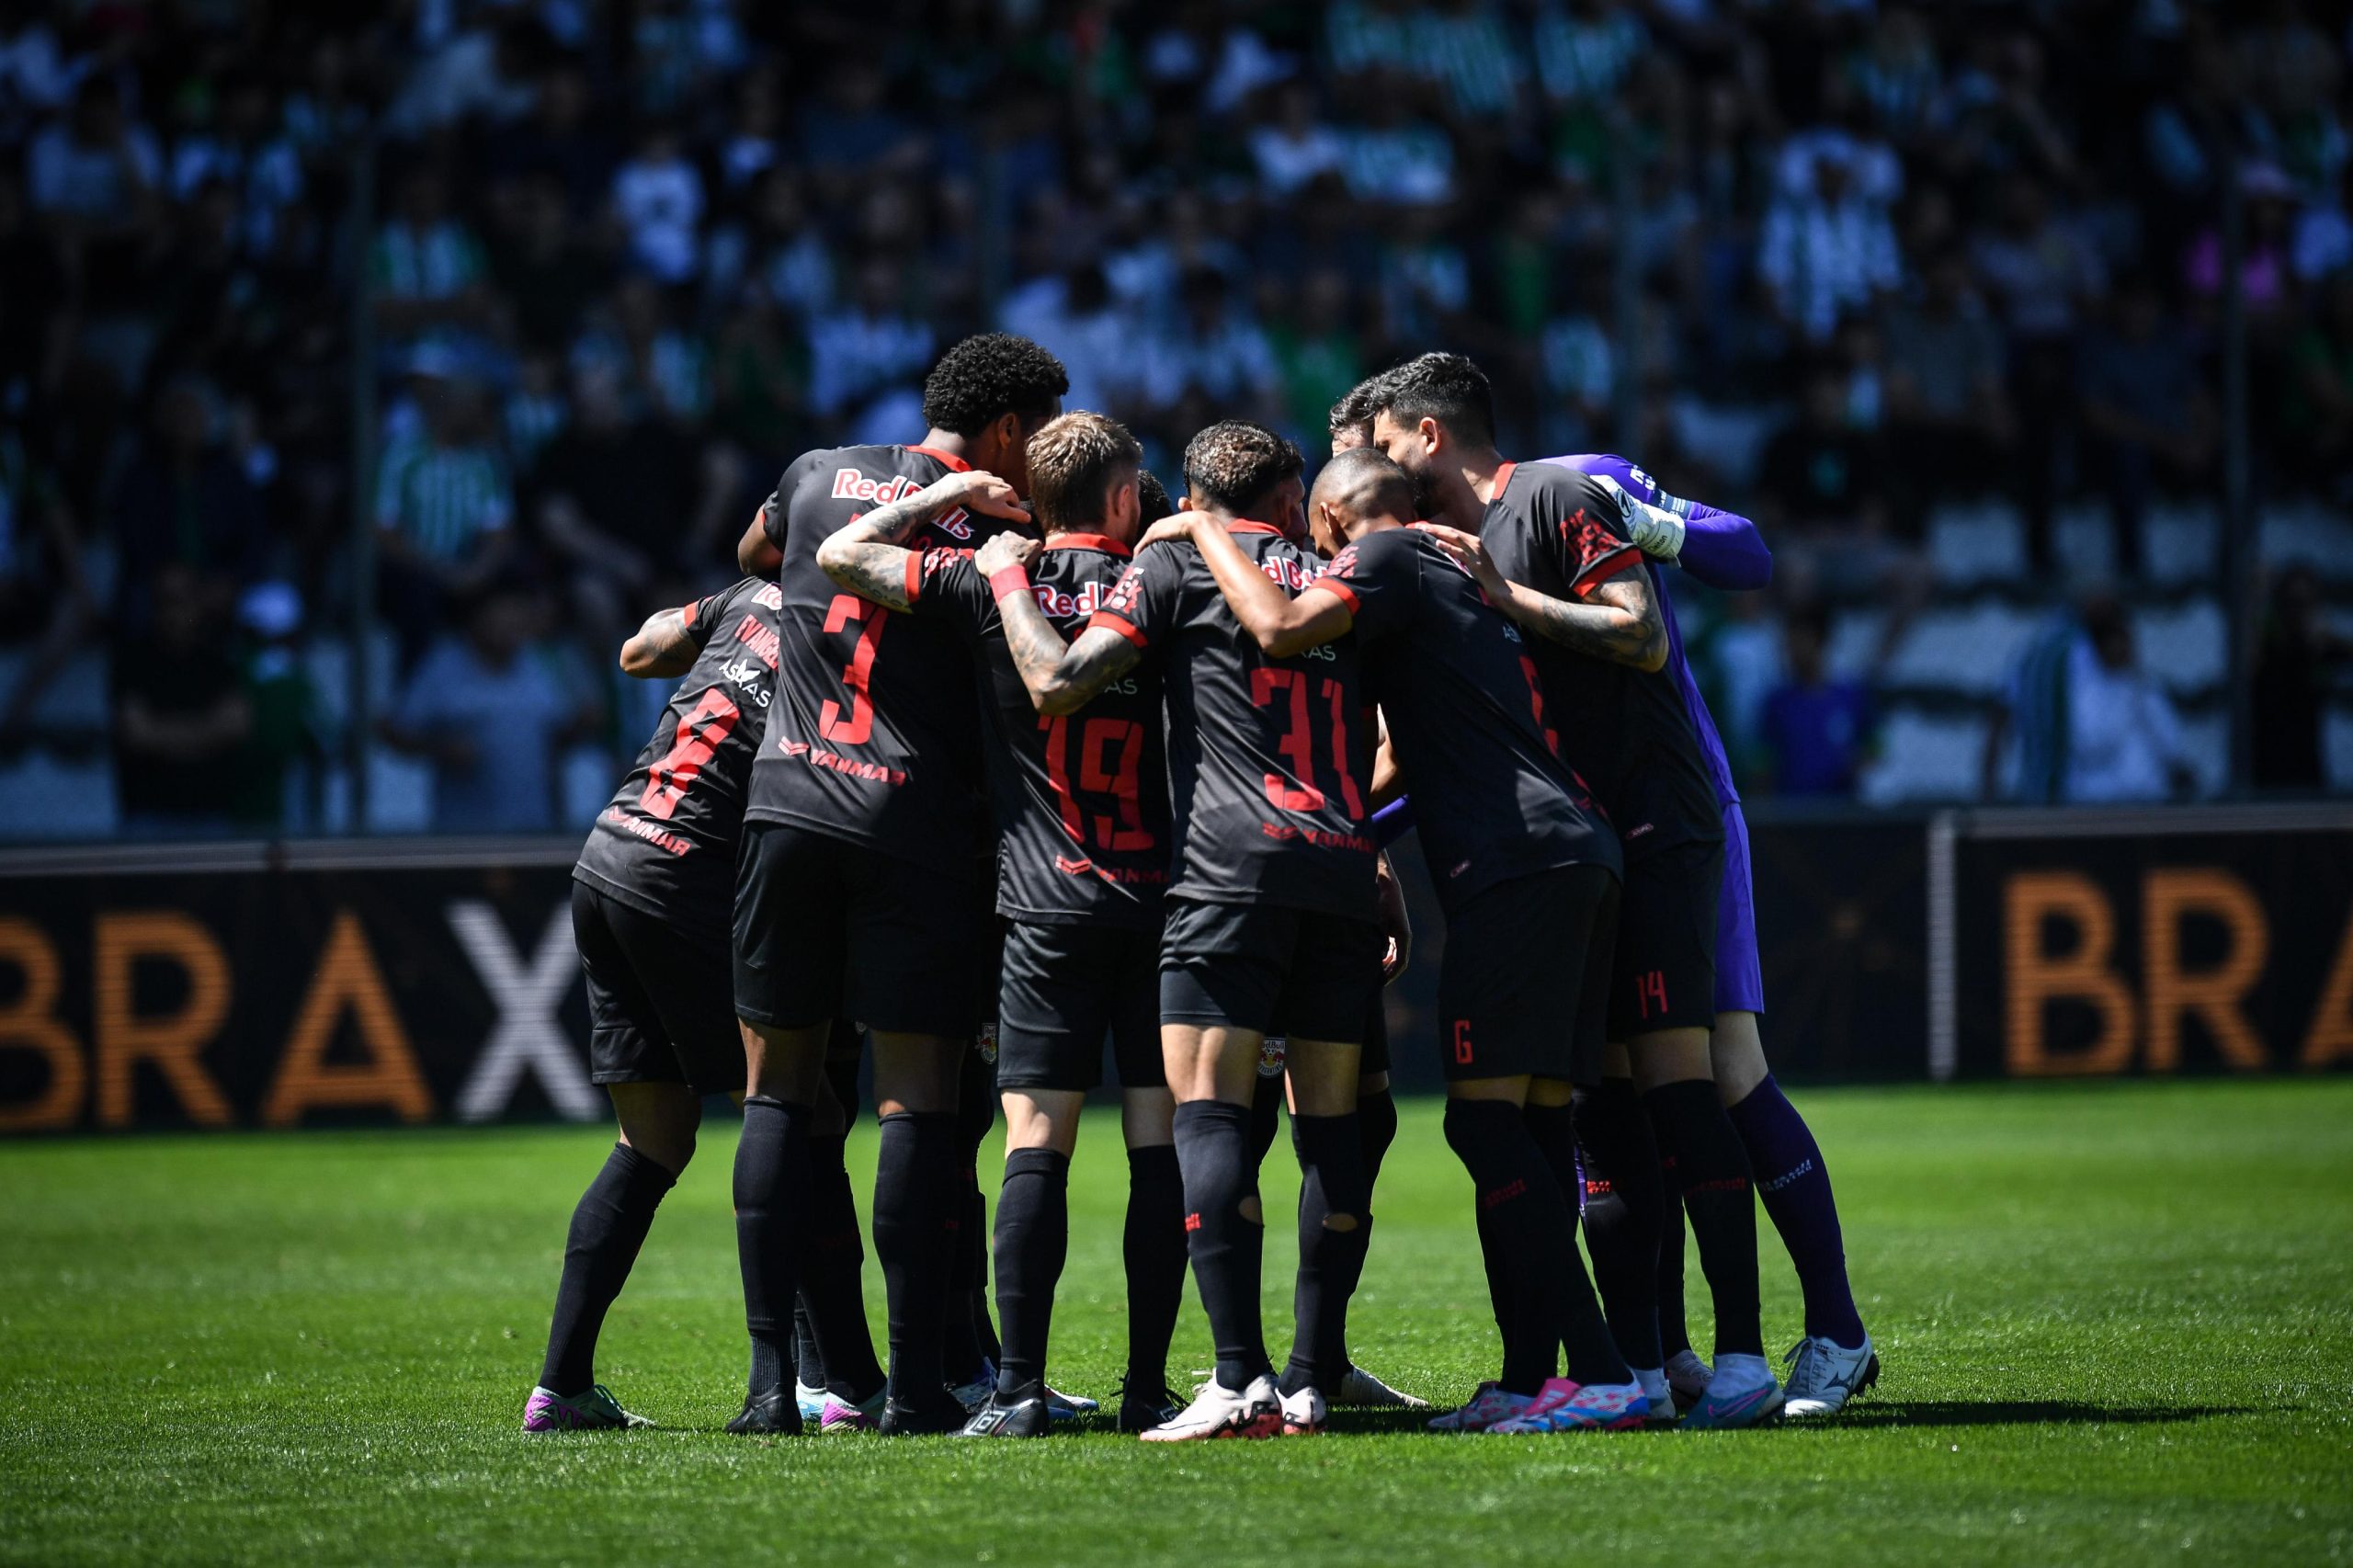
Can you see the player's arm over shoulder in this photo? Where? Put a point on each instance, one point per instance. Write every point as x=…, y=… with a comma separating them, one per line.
x=1061, y=678
x=668, y=643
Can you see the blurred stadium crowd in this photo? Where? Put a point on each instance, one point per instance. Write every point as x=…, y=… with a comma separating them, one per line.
x=1934, y=291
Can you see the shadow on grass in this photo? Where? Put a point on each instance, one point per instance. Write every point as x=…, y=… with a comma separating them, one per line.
x=2016, y=1413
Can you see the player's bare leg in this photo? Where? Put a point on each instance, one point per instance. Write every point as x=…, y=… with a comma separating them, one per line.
x=783, y=1077
x=1212, y=1072
x=1835, y=1359
x=657, y=1139
x=1674, y=1072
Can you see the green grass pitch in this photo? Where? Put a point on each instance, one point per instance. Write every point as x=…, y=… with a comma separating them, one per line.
x=2117, y=1325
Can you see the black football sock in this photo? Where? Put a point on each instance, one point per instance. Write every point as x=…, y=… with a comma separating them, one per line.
x=1332, y=1185
x=971, y=1341
x=1535, y=1228
x=1711, y=1169
x=1266, y=1117
x=1153, y=1247
x=1227, y=1249
x=840, y=1345
x=771, y=1193
x=807, y=1361
x=914, y=1195
x=1032, y=1240
x=1501, y=1289
x=608, y=1227
x=1624, y=1203
x=1674, y=1328
x=1377, y=1125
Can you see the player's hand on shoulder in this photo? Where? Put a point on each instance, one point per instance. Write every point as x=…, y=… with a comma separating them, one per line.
x=1177, y=530
x=977, y=490
x=1468, y=551
x=1003, y=551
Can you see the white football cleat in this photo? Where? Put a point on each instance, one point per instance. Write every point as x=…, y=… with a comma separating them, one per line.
x=1361, y=1388
x=1255, y=1412
x=1304, y=1413
x=1686, y=1378
x=1824, y=1374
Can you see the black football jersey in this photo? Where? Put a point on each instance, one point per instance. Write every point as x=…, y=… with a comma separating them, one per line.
x=875, y=736
x=666, y=844
x=1081, y=800
x=1466, y=712
x=1269, y=760
x=1625, y=731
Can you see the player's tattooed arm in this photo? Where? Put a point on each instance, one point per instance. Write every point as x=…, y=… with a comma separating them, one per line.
x=663, y=648
x=870, y=556
x=1620, y=622
x=1279, y=623
x=1061, y=677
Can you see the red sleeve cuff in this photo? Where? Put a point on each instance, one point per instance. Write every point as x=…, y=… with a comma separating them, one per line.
x=1340, y=591
x=686, y=613
x=915, y=576
x=1010, y=581
x=1596, y=572
x=1120, y=624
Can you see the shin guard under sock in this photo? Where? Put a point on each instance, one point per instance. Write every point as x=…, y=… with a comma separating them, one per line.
x=915, y=1194
x=1625, y=1203
x=1536, y=1232
x=771, y=1193
x=1265, y=1115
x=1332, y=1185
x=1795, y=1185
x=1032, y=1240
x=1227, y=1248
x=1153, y=1247
x=1711, y=1170
x=608, y=1227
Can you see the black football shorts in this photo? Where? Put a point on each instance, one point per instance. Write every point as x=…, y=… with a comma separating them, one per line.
x=1295, y=972
x=1523, y=986
x=1665, y=974
x=1067, y=987
x=828, y=928
x=659, y=1001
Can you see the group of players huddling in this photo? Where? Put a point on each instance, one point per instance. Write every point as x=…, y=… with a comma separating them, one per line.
x=977, y=739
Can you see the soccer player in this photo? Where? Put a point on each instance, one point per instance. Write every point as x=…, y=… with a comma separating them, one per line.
x=857, y=883
x=646, y=899
x=1270, y=925
x=1528, y=874
x=1081, y=802
x=1836, y=1357
x=1549, y=545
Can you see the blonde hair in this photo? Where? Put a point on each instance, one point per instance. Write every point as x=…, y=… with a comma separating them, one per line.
x=1075, y=461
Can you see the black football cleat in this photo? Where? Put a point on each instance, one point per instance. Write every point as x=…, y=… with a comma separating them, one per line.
x=942, y=1418
x=1143, y=1409
x=1022, y=1418
x=769, y=1414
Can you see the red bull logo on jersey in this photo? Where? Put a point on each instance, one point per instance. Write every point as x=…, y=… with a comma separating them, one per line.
x=1053, y=601
x=851, y=484
x=1287, y=572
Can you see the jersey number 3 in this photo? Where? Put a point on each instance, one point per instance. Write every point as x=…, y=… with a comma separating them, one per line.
x=860, y=723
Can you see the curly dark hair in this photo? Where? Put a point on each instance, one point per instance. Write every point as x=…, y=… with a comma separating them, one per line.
x=1234, y=464
x=1151, y=496
x=989, y=374
x=1445, y=387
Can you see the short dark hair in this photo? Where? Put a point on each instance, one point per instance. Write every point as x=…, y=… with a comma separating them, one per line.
x=1358, y=404
x=988, y=375
x=1362, y=482
x=1235, y=464
x=1445, y=387
x=1073, y=461
x=1151, y=496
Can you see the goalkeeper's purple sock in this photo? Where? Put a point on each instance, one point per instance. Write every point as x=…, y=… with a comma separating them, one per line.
x=1795, y=1184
